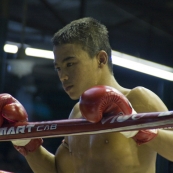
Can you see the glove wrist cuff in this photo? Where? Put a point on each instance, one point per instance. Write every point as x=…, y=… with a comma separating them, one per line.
x=32, y=146
x=144, y=136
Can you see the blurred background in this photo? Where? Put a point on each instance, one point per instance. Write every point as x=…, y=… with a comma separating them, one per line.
x=141, y=28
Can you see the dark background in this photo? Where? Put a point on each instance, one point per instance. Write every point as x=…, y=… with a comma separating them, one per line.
x=142, y=28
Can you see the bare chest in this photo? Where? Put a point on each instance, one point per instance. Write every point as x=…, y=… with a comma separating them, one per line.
x=106, y=153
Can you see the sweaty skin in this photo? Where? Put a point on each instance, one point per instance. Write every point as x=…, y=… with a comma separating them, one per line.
x=110, y=152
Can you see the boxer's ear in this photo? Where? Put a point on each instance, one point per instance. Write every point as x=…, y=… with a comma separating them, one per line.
x=102, y=58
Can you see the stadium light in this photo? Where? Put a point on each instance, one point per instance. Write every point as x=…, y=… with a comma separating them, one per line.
x=118, y=58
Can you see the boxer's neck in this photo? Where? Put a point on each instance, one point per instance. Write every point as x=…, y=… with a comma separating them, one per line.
x=111, y=81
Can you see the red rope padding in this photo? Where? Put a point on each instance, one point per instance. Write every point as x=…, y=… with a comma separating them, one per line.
x=68, y=127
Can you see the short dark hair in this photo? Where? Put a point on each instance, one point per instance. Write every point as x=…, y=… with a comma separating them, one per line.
x=87, y=32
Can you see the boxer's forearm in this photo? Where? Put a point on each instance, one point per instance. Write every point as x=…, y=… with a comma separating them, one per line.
x=41, y=161
x=163, y=144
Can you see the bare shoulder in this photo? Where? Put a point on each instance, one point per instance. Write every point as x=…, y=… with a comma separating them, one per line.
x=140, y=91
x=144, y=100
x=75, y=112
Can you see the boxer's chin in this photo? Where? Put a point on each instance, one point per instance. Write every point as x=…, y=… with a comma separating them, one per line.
x=74, y=96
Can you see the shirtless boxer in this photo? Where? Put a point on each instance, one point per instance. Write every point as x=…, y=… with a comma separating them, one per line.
x=83, y=61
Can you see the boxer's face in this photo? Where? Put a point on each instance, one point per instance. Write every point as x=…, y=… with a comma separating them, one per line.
x=76, y=70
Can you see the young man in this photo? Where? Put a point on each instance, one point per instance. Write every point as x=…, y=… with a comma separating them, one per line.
x=83, y=62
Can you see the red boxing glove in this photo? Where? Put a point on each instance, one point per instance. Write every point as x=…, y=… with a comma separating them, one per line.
x=100, y=100
x=105, y=100
x=11, y=111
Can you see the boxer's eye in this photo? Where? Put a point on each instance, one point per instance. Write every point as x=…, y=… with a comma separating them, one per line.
x=70, y=64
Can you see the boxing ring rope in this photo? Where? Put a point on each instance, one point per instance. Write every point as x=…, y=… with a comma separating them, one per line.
x=69, y=127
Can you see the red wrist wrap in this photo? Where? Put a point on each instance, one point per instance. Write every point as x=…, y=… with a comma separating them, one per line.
x=144, y=136
x=30, y=147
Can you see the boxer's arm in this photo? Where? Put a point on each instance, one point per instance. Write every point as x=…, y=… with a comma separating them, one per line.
x=53, y=163
x=92, y=105
x=41, y=161
x=144, y=100
x=11, y=111
x=163, y=144
x=100, y=101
